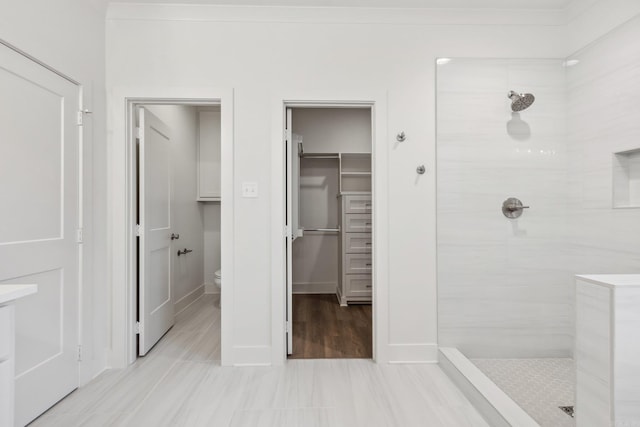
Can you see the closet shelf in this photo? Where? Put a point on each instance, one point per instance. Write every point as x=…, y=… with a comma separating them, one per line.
x=350, y=173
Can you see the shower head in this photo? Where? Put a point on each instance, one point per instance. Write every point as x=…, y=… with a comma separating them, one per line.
x=520, y=101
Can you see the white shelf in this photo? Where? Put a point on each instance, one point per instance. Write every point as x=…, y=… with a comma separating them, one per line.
x=626, y=179
x=356, y=173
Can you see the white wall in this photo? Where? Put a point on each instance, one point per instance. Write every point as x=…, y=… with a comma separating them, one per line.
x=323, y=130
x=588, y=20
x=265, y=53
x=603, y=118
x=333, y=130
x=188, y=221
x=315, y=254
x=69, y=35
x=505, y=289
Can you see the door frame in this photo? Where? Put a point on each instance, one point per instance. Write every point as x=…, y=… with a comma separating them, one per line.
x=377, y=101
x=122, y=209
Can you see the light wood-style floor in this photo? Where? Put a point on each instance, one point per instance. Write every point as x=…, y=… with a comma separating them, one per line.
x=181, y=383
x=322, y=329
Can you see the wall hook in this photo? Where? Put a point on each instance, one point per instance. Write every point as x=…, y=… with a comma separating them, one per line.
x=421, y=169
x=401, y=136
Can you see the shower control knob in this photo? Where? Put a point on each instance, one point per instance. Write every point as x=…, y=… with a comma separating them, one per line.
x=512, y=207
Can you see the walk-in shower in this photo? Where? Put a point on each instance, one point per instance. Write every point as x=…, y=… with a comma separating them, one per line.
x=504, y=287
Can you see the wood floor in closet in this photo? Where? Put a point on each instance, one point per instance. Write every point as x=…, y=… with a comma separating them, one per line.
x=322, y=329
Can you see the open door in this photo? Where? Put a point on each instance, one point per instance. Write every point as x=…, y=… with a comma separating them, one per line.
x=39, y=231
x=156, y=315
x=289, y=146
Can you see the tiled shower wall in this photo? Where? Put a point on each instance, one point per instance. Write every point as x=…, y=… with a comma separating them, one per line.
x=603, y=118
x=504, y=287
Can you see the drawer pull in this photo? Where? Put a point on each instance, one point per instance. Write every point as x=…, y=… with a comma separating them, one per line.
x=367, y=223
x=368, y=286
x=368, y=265
x=368, y=243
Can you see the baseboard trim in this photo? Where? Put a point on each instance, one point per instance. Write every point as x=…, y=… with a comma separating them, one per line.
x=413, y=353
x=315, y=288
x=252, y=355
x=211, y=288
x=186, y=300
x=489, y=400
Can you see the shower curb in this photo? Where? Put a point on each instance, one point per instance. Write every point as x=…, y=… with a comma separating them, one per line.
x=494, y=405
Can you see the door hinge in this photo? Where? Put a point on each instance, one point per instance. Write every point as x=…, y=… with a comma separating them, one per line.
x=288, y=327
x=138, y=230
x=287, y=231
x=79, y=353
x=80, y=117
x=138, y=328
x=139, y=133
x=79, y=236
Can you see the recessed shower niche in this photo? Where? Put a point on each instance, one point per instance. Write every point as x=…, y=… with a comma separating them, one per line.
x=626, y=179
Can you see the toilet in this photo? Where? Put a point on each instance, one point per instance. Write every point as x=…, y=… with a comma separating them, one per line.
x=217, y=278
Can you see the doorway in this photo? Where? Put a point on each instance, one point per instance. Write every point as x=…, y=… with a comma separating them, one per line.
x=124, y=211
x=329, y=223
x=178, y=215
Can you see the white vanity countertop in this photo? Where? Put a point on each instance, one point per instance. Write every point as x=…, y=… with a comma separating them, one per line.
x=612, y=280
x=12, y=292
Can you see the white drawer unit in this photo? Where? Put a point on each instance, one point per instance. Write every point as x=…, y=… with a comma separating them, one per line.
x=357, y=204
x=356, y=248
x=359, y=284
x=8, y=294
x=357, y=223
x=357, y=243
x=357, y=263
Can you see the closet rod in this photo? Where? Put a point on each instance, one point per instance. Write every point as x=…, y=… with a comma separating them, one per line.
x=330, y=230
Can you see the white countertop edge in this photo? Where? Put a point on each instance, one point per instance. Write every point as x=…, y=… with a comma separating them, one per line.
x=611, y=280
x=14, y=292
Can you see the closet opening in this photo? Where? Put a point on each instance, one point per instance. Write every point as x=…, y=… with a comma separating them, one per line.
x=178, y=229
x=329, y=223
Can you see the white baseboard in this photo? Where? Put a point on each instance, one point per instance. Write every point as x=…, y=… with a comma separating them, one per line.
x=211, y=288
x=186, y=300
x=489, y=400
x=252, y=355
x=413, y=353
x=315, y=288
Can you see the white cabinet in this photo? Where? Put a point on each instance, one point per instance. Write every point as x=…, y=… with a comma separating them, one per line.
x=209, y=177
x=356, y=244
x=8, y=294
x=355, y=249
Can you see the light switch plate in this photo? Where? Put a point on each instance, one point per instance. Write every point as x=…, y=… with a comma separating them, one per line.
x=250, y=189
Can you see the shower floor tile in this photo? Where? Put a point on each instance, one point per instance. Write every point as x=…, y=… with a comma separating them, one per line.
x=539, y=386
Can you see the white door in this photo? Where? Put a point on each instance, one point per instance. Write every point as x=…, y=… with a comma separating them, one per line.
x=39, y=181
x=155, y=253
x=293, y=168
